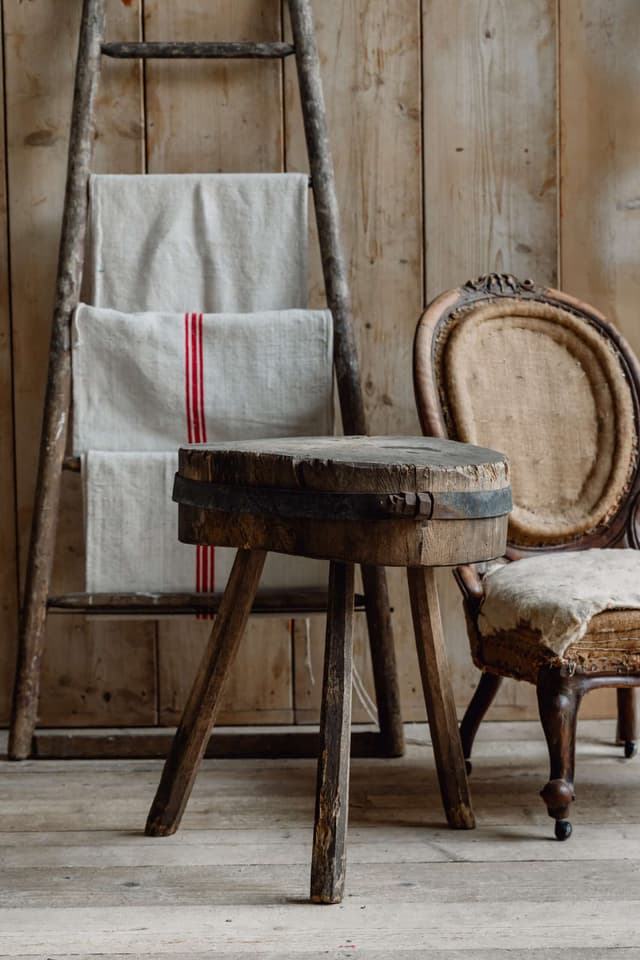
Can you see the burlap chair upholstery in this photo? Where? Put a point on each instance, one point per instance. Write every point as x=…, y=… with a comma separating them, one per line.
x=533, y=380
x=574, y=609
x=546, y=379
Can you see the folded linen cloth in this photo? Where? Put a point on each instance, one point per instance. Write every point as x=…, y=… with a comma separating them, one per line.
x=207, y=242
x=132, y=534
x=153, y=381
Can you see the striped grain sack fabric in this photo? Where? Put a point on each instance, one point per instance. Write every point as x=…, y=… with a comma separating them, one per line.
x=151, y=374
x=156, y=381
x=141, y=548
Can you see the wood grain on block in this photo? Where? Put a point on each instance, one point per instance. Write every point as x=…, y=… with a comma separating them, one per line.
x=388, y=465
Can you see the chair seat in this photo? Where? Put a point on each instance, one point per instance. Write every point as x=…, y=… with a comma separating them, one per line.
x=580, y=609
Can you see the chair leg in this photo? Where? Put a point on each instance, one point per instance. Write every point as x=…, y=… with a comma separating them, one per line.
x=438, y=695
x=192, y=736
x=332, y=795
x=559, y=700
x=383, y=659
x=627, y=729
x=482, y=699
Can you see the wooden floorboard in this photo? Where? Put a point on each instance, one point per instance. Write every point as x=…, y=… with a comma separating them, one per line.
x=78, y=878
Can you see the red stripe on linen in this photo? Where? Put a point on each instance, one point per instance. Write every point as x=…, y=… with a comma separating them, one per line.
x=195, y=373
x=198, y=574
x=205, y=570
x=203, y=425
x=197, y=433
x=187, y=380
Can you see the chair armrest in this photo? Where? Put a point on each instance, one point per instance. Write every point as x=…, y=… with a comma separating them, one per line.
x=470, y=585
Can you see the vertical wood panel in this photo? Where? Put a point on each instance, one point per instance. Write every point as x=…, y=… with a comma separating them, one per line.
x=490, y=183
x=100, y=673
x=219, y=117
x=600, y=146
x=370, y=58
x=600, y=174
x=8, y=573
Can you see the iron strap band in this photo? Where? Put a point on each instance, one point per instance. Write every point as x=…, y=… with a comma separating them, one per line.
x=324, y=505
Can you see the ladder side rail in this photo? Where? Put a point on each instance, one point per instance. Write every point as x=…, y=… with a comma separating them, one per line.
x=346, y=361
x=328, y=218
x=58, y=392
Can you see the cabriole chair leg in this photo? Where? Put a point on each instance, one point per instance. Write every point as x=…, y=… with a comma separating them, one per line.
x=482, y=699
x=559, y=700
x=627, y=729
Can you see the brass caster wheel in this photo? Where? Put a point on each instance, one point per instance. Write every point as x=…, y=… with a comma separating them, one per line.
x=563, y=830
x=630, y=749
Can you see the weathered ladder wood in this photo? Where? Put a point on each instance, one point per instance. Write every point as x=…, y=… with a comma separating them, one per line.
x=58, y=398
x=58, y=394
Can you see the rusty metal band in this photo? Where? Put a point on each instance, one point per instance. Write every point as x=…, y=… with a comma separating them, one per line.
x=326, y=505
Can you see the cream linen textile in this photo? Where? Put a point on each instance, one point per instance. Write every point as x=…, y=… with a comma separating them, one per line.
x=147, y=382
x=132, y=519
x=205, y=242
x=557, y=594
x=154, y=381
x=221, y=244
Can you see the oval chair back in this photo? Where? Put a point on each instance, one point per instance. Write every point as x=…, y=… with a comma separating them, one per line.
x=547, y=380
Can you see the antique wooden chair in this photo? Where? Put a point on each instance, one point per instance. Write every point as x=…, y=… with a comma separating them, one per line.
x=546, y=379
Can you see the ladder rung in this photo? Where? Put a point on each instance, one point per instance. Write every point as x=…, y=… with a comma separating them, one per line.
x=197, y=50
x=273, y=602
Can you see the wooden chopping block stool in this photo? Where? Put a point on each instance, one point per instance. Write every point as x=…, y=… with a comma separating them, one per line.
x=413, y=502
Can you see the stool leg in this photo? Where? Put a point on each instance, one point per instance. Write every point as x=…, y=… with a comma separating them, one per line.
x=383, y=659
x=332, y=794
x=438, y=695
x=192, y=736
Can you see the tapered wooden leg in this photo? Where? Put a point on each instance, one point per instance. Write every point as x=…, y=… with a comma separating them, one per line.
x=332, y=796
x=627, y=729
x=438, y=695
x=383, y=659
x=558, y=700
x=474, y=715
x=31, y=638
x=192, y=736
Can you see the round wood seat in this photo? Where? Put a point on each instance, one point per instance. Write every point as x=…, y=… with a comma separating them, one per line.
x=394, y=501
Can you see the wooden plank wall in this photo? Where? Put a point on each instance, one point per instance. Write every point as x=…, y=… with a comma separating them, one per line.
x=468, y=137
x=8, y=579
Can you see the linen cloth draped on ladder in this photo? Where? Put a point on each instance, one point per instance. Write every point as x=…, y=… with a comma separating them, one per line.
x=216, y=243
x=157, y=375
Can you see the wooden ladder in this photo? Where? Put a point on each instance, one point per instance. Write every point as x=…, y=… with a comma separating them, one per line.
x=37, y=600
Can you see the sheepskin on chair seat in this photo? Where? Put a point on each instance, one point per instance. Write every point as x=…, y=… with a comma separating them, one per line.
x=575, y=608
